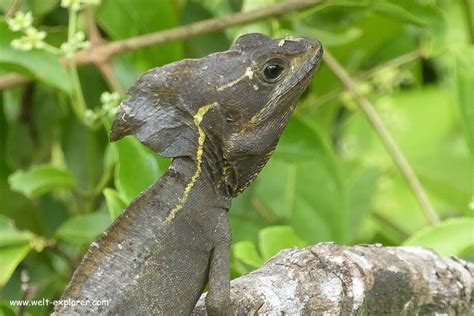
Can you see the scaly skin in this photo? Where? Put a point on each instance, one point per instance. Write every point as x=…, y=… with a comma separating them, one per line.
x=146, y=266
x=220, y=118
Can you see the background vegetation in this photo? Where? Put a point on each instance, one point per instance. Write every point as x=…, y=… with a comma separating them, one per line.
x=331, y=178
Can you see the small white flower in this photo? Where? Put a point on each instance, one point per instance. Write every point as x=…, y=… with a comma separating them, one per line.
x=364, y=88
x=348, y=99
x=90, y=117
x=387, y=79
x=110, y=101
x=21, y=44
x=67, y=49
x=74, y=5
x=21, y=21
x=35, y=37
x=78, y=41
x=107, y=97
x=32, y=39
x=78, y=37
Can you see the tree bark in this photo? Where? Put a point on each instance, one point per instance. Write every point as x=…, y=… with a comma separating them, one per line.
x=327, y=279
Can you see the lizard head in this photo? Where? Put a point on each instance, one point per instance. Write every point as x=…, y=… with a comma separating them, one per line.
x=273, y=75
x=229, y=107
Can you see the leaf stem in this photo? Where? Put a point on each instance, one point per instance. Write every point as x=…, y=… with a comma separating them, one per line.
x=77, y=97
x=78, y=101
x=72, y=24
x=51, y=49
x=12, y=8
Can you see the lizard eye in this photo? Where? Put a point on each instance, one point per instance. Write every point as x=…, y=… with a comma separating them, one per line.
x=273, y=69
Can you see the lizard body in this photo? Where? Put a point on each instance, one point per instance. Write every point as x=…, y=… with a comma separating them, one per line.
x=219, y=118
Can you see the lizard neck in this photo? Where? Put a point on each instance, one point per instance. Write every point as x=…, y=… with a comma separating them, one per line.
x=197, y=178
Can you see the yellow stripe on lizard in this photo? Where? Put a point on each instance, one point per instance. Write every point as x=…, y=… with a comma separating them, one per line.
x=197, y=118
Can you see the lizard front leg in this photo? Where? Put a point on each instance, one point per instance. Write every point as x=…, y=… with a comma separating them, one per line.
x=218, y=297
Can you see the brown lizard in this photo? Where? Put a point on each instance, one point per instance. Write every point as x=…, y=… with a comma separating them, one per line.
x=219, y=118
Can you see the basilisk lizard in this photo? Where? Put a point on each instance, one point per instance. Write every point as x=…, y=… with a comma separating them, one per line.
x=219, y=118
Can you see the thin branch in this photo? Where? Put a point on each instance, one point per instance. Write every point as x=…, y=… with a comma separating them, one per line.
x=105, y=51
x=94, y=34
x=266, y=213
x=201, y=27
x=13, y=8
x=102, y=64
x=387, y=139
x=12, y=80
x=107, y=71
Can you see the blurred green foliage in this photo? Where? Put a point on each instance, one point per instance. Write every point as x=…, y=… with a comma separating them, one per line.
x=330, y=179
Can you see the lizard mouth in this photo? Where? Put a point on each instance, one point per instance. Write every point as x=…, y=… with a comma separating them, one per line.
x=315, y=52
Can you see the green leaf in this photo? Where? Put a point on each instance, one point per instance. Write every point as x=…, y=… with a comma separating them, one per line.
x=202, y=45
x=37, y=64
x=40, y=180
x=263, y=26
x=429, y=15
x=83, y=229
x=14, y=246
x=136, y=168
x=397, y=12
x=11, y=257
x=448, y=177
x=449, y=238
x=301, y=142
x=83, y=151
x=246, y=252
x=124, y=19
x=115, y=203
x=425, y=126
x=302, y=185
x=362, y=189
x=244, y=220
x=332, y=38
x=9, y=235
x=5, y=310
x=272, y=239
x=464, y=70
x=41, y=7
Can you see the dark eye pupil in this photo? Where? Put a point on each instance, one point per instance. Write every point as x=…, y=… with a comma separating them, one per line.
x=272, y=71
